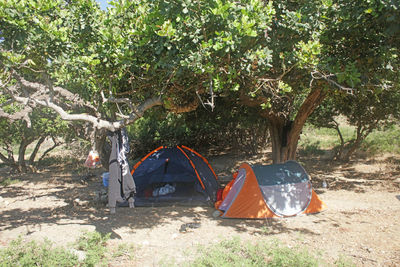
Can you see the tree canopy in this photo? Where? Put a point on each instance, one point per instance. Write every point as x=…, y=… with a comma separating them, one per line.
x=279, y=57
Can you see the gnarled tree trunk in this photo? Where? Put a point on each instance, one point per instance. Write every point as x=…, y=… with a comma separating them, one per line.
x=285, y=134
x=21, y=155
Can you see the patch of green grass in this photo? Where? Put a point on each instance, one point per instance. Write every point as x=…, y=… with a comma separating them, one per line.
x=20, y=253
x=344, y=262
x=387, y=140
x=57, y=160
x=124, y=251
x=8, y=181
x=94, y=244
x=314, y=141
x=237, y=253
x=317, y=139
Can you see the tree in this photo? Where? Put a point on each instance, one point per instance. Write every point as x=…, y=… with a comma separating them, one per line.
x=362, y=49
x=44, y=124
x=54, y=54
x=365, y=110
x=107, y=68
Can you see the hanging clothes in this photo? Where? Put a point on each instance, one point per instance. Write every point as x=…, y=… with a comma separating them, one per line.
x=121, y=186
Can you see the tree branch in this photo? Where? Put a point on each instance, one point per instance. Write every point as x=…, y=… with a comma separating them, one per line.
x=317, y=75
x=35, y=150
x=48, y=92
x=4, y=159
x=49, y=149
x=41, y=96
x=20, y=115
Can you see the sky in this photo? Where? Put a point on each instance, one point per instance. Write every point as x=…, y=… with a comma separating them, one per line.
x=103, y=4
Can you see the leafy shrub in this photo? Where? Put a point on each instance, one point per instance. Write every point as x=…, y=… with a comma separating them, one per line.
x=94, y=244
x=20, y=253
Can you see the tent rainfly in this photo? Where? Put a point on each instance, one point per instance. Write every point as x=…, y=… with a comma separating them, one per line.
x=264, y=191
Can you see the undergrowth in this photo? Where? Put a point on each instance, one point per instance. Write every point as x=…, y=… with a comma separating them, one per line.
x=235, y=252
x=20, y=253
x=94, y=244
x=91, y=244
x=9, y=181
x=387, y=140
x=316, y=141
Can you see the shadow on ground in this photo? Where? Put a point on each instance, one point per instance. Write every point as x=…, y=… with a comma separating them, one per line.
x=66, y=187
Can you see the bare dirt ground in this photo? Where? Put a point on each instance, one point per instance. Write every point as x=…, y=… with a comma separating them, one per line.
x=362, y=221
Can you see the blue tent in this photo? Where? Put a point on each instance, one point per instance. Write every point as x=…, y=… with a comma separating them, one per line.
x=174, y=175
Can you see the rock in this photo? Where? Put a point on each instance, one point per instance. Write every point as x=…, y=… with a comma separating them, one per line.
x=101, y=196
x=78, y=202
x=186, y=226
x=79, y=253
x=104, y=199
x=216, y=214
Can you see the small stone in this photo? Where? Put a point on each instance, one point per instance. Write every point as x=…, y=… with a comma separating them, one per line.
x=216, y=214
x=79, y=253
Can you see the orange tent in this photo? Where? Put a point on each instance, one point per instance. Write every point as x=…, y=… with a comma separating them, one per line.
x=265, y=191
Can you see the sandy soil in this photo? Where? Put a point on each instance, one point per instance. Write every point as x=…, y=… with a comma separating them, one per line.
x=362, y=221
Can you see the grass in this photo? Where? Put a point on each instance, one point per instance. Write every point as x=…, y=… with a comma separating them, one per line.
x=93, y=245
x=387, y=141
x=234, y=252
x=8, y=181
x=344, y=261
x=315, y=141
x=20, y=253
x=124, y=251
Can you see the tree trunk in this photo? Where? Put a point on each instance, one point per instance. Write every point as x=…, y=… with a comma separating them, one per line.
x=362, y=133
x=35, y=150
x=56, y=144
x=9, y=161
x=21, y=155
x=285, y=134
x=102, y=147
x=339, y=153
x=276, y=126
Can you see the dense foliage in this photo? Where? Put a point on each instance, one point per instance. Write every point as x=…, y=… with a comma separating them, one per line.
x=44, y=125
x=281, y=58
x=225, y=128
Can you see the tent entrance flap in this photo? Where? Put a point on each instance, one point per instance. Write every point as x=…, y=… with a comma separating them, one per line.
x=288, y=199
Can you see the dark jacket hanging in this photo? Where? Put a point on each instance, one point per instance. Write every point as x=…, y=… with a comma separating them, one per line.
x=121, y=185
